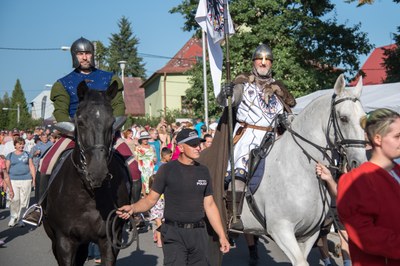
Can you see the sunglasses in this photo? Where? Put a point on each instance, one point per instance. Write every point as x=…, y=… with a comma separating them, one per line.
x=194, y=145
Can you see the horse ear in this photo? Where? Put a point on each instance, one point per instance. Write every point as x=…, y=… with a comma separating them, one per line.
x=339, y=85
x=112, y=90
x=358, y=88
x=82, y=90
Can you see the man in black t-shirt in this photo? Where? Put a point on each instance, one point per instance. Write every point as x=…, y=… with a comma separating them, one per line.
x=187, y=189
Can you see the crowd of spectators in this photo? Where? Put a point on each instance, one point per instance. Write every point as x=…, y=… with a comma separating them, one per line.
x=151, y=146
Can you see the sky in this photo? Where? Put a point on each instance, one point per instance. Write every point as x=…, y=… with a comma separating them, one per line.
x=49, y=24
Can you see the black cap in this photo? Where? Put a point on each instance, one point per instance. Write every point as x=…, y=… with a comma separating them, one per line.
x=188, y=136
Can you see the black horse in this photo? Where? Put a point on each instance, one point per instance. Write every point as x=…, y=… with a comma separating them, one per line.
x=89, y=185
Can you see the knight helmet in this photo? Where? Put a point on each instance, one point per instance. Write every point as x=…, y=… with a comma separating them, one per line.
x=263, y=52
x=81, y=45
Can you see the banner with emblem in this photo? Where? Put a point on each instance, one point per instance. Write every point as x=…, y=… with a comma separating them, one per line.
x=210, y=17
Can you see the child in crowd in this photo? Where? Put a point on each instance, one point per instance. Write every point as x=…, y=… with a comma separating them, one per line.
x=157, y=212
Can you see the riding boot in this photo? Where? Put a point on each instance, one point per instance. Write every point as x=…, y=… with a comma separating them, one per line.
x=238, y=225
x=253, y=253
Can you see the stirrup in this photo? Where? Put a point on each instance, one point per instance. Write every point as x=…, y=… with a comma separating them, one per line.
x=33, y=215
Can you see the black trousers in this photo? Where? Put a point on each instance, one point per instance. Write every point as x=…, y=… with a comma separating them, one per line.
x=183, y=246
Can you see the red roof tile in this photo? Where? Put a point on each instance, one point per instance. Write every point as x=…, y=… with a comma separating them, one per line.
x=185, y=58
x=375, y=72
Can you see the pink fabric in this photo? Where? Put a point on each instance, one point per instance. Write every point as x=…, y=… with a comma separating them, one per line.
x=176, y=152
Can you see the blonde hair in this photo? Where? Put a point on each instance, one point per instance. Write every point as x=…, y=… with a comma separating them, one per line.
x=378, y=122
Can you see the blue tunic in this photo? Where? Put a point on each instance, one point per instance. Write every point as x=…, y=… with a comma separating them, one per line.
x=97, y=80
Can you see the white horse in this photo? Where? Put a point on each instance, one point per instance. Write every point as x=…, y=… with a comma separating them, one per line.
x=290, y=198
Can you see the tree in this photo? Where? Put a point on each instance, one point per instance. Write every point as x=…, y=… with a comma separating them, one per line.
x=18, y=99
x=123, y=46
x=392, y=61
x=310, y=51
x=5, y=102
x=101, y=55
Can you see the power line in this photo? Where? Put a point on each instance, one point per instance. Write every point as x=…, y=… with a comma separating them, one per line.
x=58, y=49
x=30, y=49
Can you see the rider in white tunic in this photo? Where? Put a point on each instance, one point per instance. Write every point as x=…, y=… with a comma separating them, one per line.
x=258, y=99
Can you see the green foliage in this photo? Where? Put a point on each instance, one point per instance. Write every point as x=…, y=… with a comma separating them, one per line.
x=392, y=61
x=153, y=121
x=101, y=55
x=8, y=118
x=123, y=46
x=195, y=94
x=310, y=51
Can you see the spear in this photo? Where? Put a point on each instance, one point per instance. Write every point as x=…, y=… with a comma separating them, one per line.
x=230, y=115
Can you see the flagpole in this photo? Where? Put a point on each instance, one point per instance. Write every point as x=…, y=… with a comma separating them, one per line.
x=230, y=115
x=203, y=37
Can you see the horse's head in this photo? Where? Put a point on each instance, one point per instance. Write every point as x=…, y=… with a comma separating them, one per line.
x=94, y=132
x=345, y=132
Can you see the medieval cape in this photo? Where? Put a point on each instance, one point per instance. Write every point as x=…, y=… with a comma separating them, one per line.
x=216, y=159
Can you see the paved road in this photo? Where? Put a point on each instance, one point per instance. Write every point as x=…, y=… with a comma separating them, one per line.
x=30, y=246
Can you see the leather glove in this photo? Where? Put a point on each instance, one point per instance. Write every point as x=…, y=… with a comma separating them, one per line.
x=227, y=90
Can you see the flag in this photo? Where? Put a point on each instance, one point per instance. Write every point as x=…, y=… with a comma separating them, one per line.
x=210, y=17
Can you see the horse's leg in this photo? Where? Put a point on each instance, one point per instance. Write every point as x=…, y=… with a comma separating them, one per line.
x=65, y=250
x=308, y=244
x=283, y=234
x=108, y=253
x=81, y=254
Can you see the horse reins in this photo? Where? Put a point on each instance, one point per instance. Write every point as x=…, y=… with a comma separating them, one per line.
x=339, y=143
x=82, y=166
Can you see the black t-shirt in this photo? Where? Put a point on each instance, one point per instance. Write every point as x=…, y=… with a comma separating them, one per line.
x=184, y=188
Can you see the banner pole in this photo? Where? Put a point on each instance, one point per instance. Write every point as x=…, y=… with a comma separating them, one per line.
x=230, y=115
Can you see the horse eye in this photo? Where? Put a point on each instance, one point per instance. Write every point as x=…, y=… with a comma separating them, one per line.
x=344, y=119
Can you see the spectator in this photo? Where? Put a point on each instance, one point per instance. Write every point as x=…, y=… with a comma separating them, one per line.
x=29, y=141
x=128, y=137
x=21, y=172
x=198, y=125
x=40, y=148
x=163, y=134
x=146, y=157
x=213, y=127
x=208, y=141
x=155, y=142
x=175, y=148
x=9, y=144
x=368, y=197
x=324, y=173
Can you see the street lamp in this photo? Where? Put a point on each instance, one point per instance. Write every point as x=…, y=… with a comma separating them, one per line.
x=122, y=65
x=15, y=109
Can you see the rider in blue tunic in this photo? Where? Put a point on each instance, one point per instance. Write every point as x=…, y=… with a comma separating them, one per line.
x=65, y=100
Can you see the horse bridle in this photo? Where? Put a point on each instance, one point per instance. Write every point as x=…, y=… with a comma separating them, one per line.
x=339, y=141
x=82, y=165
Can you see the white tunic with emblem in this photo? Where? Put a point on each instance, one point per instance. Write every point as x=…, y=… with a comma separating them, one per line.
x=253, y=110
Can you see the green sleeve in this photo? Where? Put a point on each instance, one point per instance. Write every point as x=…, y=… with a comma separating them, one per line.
x=61, y=100
x=118, y=103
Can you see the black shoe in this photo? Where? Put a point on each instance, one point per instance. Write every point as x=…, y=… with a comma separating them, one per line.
x=33, y=215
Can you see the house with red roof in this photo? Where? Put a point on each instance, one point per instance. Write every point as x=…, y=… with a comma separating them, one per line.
x=373, y=68
x=166, y=88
